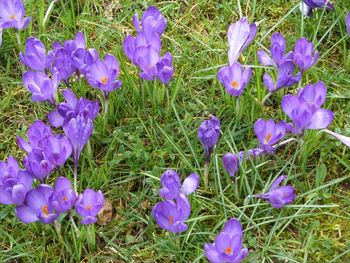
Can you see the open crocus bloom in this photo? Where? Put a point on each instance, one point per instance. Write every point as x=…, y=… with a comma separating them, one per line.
x=227, y=246
x=88, y=205
x=37, y=206
x=12, y=14
x=171, y=186
x=170, y=215
x=57, y=149
x=37, y=165
x=279, y=196
x=208, y=133
x=63, y=197
x=269, y=133
x=234, y=78
x=240, y=34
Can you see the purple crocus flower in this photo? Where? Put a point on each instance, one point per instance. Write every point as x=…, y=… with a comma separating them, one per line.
x=170, y=215
x=278, y=49
x=37, y=165
x=285, y=77
x=36, y=132
x=269, y=133
x=319, y=4
x=12, y=14
x=279, y=196
x=0, y=36
x=304, y=55
x=230, y=162
x=63, y=197
x=152, y=22
x=41, y=86
x=147, y=58
x=88, y=205
x=78, y=132
x=57, y=149
x=165, y=70
x=71, y=108
x=35, y=56
x=305, y=108
x=227, y=246
x=234, y=78
x=347, y=23
x=208, y=133
x=14, y=182
x=240, y=34
x=171, y=186
x=37, y=206
x=82, y=59
x=103, y=74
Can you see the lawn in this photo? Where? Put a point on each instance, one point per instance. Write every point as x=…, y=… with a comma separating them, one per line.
x=144, y=133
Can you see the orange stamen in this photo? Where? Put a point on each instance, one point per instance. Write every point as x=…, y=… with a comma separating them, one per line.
x=171, y=220
x=268, y=137
x=12, y=16
x=45, y=210
x=234, y=84
x=88, y=207
x=228, y=251
x=65, y=198
x=104, y=80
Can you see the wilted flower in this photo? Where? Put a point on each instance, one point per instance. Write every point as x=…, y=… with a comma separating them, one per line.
x=71, y=108
x=41, y=86
x=171, y=187
x=227, y=246
x=88, y=205
x=231, y=163
x=341, y=138
x=305, y=108
x=57, y=149
x=234, y=78
x=12, y=14
x=170, y=215
x=37, y=206
x=63, y=197
x=269, y=133
x=285, y=77
x=14, y=182
x=35, y=56
x=240, y=34
x=208, y=133
x=304, y=55
x=279, y=196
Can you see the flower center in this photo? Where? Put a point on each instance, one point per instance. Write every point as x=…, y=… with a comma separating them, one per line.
x=45, y=210
x=268, y=137
x=171, y=220
x=12, y=16
x=234, y=84
x=228, y=250
x=88, y=207
x=65, y=198
x=150, y=66
x=104, y=80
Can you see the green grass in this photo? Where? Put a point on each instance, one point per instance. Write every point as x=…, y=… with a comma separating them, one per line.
x=144, y=135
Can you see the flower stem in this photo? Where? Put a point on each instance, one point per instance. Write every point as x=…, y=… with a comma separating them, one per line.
x=268, y=95
x=19, y=42
x=48, y=13
x=75, y=174
x=168, y=99
x=58, y=231
x=106, y=105
x=206, y=175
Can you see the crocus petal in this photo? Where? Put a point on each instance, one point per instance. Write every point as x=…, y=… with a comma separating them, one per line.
x=341, y=138
x=277, y=182
x=26, y=214
x=321, y=119
x=264, y=58
x=190, y=184
x=233, y=227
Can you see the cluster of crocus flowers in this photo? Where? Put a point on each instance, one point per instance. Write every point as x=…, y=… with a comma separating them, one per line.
x=12, y=15
x=172, y=213
x=144, y=49
x=227, y=246
x=233, y=77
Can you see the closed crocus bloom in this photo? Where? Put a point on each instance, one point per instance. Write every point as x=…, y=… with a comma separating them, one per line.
x=234, y=78
x=88, y=205
x=71, y=108
x=208, y=133
x=64, y=64
x=165, y=70
x=37, y=165
x=63, y=197
x=147, y=58
x=103, y=74
x=319, y=4
x=347, y=23
x=240, y=34
x=57, y=149
x=227, y=246
x=304, y=55
x=269, y=133
x=41, y=86
x=304, y=115
x=314, y=94
x=12, y=14
x=82, y=59
x=36, y=132
x=78, y=132
x=153, y=21
x=14, y=182
x=170, y=215
x=279, y=196
x=37, y=206
x=231, y=163
x=285, y=77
